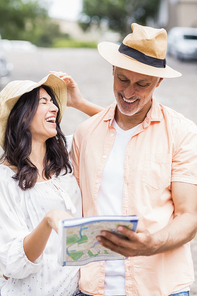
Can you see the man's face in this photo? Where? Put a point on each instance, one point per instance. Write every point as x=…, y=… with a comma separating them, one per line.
x=133, y=92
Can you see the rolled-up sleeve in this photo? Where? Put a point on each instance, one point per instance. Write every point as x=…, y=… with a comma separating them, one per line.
x=74, y=155
x=184, y=165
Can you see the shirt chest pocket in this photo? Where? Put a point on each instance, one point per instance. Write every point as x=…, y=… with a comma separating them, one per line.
x=157, y=170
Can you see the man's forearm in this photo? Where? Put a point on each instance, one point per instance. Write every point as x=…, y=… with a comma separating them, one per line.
x=181, y=230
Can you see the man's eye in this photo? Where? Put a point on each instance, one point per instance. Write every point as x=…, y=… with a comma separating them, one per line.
x=143, y=85
x=123, y=80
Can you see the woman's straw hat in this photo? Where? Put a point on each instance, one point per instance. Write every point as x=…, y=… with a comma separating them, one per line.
x=15, y=89
x=143, y=51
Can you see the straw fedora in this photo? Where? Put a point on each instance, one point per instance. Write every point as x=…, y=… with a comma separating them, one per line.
x=15, y=89
x=142, y=51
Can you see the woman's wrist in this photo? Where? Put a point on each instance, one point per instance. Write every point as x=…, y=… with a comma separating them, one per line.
x=48, y=220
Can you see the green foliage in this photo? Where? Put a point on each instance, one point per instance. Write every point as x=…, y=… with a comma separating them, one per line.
x=67, y=42
x=119, y=14
x=16, y=14
x=27, y=20
x=45, y=33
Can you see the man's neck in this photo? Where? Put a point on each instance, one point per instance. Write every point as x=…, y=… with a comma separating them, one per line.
x=126, y=122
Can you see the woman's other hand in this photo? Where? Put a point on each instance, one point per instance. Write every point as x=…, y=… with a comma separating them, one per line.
x=53, y=217
x=35, y=242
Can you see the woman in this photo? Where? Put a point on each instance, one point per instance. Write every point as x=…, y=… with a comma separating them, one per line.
x=37, y=187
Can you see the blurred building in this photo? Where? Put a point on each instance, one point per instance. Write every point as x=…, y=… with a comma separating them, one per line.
x=73, y=29
x=177, y=13
x=172, y=13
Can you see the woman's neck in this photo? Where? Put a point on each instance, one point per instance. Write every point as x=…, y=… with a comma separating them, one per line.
x=37, y=156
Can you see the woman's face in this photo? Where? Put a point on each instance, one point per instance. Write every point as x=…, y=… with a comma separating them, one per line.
x=43, y=125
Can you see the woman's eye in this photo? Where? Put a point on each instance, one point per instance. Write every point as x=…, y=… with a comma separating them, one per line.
x=43, y=101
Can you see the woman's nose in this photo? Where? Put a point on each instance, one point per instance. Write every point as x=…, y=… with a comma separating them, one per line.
x=54, y=108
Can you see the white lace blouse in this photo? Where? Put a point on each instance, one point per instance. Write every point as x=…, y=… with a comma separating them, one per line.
x=20, y=212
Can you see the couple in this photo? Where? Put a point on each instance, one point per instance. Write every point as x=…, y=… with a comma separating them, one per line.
x=135, y=157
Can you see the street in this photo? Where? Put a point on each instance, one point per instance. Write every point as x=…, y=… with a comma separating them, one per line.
x=93, y=75
x=94, y=78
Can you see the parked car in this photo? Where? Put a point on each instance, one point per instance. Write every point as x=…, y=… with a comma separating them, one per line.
x=17, y=46
x=182, y=43
x=5, y=45
x=5, y=70
x=22, y=46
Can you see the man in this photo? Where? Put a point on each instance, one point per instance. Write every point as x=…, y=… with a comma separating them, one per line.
x=139, y=157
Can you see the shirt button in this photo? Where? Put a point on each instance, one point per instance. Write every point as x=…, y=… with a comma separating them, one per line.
x=112, y=135
x=104, y=156
x=97, y=181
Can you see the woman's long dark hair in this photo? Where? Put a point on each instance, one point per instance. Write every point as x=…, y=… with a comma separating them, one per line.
x=18, y=142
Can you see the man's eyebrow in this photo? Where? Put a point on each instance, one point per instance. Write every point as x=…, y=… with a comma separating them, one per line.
x=123, y=76
x=144, y=80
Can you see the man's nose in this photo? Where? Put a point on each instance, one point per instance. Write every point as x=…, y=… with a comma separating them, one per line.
x=129, y=92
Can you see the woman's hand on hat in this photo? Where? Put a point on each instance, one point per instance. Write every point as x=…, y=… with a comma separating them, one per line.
x=74, y=97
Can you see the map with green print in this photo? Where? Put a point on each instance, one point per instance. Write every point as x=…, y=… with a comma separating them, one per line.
x=79, y=245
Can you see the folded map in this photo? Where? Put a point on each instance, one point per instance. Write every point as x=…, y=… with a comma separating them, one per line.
x=78, y=243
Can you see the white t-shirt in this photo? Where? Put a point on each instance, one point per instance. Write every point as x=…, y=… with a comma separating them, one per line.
x=20, y=212
x=109, y=202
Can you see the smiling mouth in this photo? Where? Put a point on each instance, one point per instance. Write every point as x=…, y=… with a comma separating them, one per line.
x=129, y=101
x=51, y=120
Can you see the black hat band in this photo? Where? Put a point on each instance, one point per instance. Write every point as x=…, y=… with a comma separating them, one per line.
x=141, y=57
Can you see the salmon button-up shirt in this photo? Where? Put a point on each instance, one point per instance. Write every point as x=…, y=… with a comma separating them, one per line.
x=162, y=150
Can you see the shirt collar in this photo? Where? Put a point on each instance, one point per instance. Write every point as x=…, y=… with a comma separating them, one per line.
x=111, y=113
x=154, y=114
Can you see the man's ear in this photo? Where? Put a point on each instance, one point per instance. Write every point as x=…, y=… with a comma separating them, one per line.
x=113, y=70
x=159, y=81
